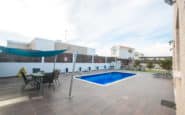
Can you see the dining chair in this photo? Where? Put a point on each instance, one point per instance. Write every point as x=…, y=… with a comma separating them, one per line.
x=56, y=74
x=35, y=70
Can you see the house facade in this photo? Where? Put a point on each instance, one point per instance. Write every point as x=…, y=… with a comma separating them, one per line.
x=122, y=52
x=125, y=52
x=179, y=55
x=73, y=48
x=44, y=44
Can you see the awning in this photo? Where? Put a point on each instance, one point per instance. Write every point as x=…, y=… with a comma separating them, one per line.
x=30, y=53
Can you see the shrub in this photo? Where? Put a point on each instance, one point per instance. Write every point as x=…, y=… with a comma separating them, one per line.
x=166, y=64
x=150, y=65
x=136, y=63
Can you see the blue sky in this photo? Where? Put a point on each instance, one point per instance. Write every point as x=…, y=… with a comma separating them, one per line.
x=145, y=25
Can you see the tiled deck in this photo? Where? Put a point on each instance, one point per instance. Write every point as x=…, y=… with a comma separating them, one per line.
x=140, y=95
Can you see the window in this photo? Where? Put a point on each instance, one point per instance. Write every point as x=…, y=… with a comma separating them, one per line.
x=130, y=50
x=114, y=51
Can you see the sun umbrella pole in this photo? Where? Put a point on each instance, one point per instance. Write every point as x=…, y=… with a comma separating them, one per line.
x=54, y=63
x=42, y=59
x=71, y=82
x=42, y=62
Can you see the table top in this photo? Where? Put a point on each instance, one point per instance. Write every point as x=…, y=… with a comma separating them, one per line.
x=38, y=74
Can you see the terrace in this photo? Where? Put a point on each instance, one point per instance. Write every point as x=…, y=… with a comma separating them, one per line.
x=140, y=95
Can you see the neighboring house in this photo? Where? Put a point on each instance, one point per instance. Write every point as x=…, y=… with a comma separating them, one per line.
x=125, y=52
x=122, y=52
x=36, y=44
x=72, y=48
x=2, y=43
x=179, y=54
x=21, y=45
x=43, y=44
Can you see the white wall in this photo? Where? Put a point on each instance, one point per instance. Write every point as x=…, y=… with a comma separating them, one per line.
x=12, y=44
x=115, y=51
x=91, y=51
x=43, y=44
x=11, y=69
x=123, y=53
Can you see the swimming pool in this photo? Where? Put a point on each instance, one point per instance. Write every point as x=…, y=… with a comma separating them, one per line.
x=106, y=78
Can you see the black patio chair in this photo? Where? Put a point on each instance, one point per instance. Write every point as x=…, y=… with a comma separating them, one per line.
x=56, y=74
x=28, y=80
x=35, y=70
x=48, y=79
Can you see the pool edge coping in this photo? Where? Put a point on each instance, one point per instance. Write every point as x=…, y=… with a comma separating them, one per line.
x=76, y=77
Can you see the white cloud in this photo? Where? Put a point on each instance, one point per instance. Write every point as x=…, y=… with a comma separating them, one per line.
x=14, y=36
x=94, y=21
x=43, y=18
x=159, y=49
x=98, y=24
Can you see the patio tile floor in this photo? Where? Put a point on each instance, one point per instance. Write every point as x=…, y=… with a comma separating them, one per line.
x=140, y=95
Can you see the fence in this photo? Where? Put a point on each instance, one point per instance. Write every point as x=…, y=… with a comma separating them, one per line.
x=10, y=64
x=62, y=58
x=14, y=58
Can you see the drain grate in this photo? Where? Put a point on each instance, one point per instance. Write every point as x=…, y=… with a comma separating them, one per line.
x=168, y=104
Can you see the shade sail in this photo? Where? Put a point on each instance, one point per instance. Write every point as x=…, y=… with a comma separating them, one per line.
x=30, y=53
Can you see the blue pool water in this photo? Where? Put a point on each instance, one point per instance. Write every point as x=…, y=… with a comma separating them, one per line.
x=106, y=78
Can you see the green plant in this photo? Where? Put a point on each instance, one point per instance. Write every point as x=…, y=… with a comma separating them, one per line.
x=150, y=65
x=166, y=64
x=136, y=63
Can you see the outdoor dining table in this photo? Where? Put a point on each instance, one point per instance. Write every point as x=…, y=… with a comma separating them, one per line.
x=38, y=77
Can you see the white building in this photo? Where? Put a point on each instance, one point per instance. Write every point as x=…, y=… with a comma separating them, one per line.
x=122, y=52
x=2, y=43
x=74, y=48
x=21, y=45
x=44, y=44
x=125, y=52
